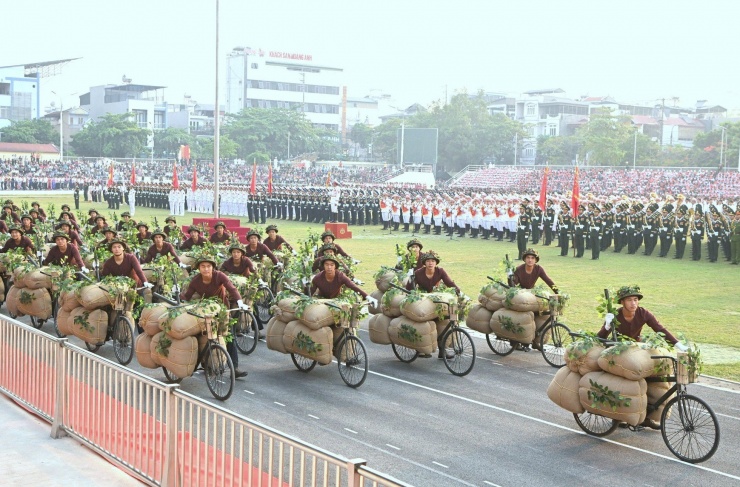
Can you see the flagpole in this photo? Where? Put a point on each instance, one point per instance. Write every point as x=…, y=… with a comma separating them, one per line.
x=216, y=135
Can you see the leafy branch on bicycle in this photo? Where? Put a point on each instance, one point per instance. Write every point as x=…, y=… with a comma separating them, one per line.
x=508, y=324
x=599, y=394
x=306, y=343
x=409, y=333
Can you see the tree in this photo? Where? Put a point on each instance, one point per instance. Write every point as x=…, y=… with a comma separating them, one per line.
x=113, y=135
x=203, y=148
x=37, y=131
x=708, y=146
x=261, y=130
x=362, y=134
x=384, y=143
x=559, y=151
x=169, y=140
x=604, y=138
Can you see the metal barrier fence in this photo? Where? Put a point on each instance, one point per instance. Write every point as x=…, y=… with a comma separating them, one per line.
x=154, y=431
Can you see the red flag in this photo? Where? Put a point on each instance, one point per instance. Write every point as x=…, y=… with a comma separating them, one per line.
x=48, y=183
x=175, y=180
x=110, y=175
x=269, y=180
x=194, y=184
x=186, y=152
x=543, y=190
x=576, y=198
x=328, y=178
x=132, y=181
x=253, y=186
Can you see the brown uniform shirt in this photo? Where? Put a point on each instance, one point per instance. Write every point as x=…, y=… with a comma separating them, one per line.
x=244, y=268
x=260, y=251
x=71, y=256
x=190, y=243
x=427, y=284
x=633, y=328
x=220, y=239
x=129, y=265
x=167, y=249
x=25, y=243
x=527, y=281
x=213, y=288
x=330, y=290
x=275, y=244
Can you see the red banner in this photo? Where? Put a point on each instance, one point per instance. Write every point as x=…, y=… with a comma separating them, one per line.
x=110, y=175
x=328, y=178
x=253, y=186
x=132, y=181
x=175, y=180
x=194, y=184
x=269, y=180
x=543, y=190
x=576, y=198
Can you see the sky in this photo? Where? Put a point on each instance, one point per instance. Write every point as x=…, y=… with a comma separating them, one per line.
x=415, y=51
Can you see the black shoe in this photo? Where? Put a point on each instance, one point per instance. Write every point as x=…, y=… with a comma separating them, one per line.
x=425, y=355
x=240, y=373
x=449, y=355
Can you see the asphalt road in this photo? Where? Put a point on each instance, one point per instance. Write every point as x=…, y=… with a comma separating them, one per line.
x=496, y=426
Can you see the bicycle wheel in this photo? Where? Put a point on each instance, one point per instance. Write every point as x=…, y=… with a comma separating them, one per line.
x=55, y=312
x=219, y=371
x=171, y=378
x=352, y=361
x=690, y=429
x=461, y=345
x=595, y=425
x=404, y=354
x=35, y=322
x=553, y=340
x=123, y=340
x=262, y=307
x=245, y=332
x=93, y=347
x=499, y=346
x=304, y=364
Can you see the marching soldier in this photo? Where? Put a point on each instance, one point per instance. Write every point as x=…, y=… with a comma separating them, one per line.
x=650, y=229
x=681, y=231
x=565, y=224
x=697, y=232
x=522, y=230
x=595, y=232
x=580, y=231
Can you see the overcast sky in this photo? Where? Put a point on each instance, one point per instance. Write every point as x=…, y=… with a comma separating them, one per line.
x=414, y=50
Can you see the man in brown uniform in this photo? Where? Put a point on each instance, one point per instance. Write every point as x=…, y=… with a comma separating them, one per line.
x=18, y=241
x=275, y=241
x=64, y=253
x=220, y=236
x=527, y=274
x=160, y=248
x=195, y=240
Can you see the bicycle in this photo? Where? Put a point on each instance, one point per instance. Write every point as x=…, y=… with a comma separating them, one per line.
x=462, y=357
x=248, y=326
x=262, y=305
x=552, y=336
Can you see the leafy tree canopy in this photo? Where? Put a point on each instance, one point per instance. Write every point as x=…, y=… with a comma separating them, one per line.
x=39, y=131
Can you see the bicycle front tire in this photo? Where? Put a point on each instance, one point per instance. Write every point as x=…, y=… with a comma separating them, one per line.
x=246, y=333
x=219, y=372
x=123, y=340
x=690, y=428
x=462, y=347
x=352, y=361
x=553, y=341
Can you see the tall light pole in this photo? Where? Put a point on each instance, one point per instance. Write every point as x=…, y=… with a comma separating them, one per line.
x=722, y=146
x=288, y=144
x=634, y=152
x=216, y=130
x=61, y=128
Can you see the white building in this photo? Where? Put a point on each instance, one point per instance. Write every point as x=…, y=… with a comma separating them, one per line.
x=74, y=120
x=260, y=78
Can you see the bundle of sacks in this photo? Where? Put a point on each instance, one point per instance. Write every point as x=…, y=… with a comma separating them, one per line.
x=515, y=314
x=30, y=293
x=410, y=320
x=304, y=326
x=173, y=337
x=611, y=381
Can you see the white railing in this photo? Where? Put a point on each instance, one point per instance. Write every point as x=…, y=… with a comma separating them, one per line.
x=156, y=432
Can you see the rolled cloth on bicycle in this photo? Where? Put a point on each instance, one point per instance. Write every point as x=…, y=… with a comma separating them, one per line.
x=274, y=334
x=426, y=309
x=90, y=326
x=68, y=301
x=374, y=310
x=378, y=328
x=94, y=297
x=317, y=315
x=563, y=390
x=525, y=300
x=391, y=303
x=625, y=390
x=181, y=357
x=383, y=282
x=285, y=309
x=655, y=391
x=491, y=298
x=513, y=325
x=143, y=351
x=11, y=300
x=479, y=319
x=634, y=363
x=152, y=317
x=582, y=356
x=420, y=336
x=35, y=302
x=38, y=279
x=313, y=344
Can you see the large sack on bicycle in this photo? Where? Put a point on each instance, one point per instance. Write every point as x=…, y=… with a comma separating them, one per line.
x=90, y=326
x=185, y=325
x=563, y=390
x=479, y=319
x=35, y=302
x=633, y=362
x=68, y=301
x=378, y=328
x=94, y=297
x=181, y=356
x=582, y=356
x=143, y=353
x=12, y=300
x=525, y=300
x=391, y=303
x=150, y=273
x=187, y=259
x=63, y=322
x=372, y=309
x=313, y=344
x=19, y=274
x=274, y=334
x=383, y=282
x=38, y=279
x=2, y=289
x=540, y=320
x=655, y=391
x=285, y=309
x=491, y=298
x=421, y=336
x=631, y=403
x=317, y=315
x=153, y=345
x=513, y=325
x=429, y=307
x=152, y=317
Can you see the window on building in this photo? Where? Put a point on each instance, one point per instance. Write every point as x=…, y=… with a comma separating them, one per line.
x=4, y=88
x=528, y=152
x=140, y=118
x=530, y=109
x=553, y=130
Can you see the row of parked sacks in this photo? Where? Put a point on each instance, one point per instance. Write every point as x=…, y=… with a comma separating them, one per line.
x=622, y=368
x=183, y=333
x=80, y=313
x=30, y=293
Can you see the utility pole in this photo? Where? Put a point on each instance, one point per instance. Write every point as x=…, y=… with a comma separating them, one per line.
x=662, y=114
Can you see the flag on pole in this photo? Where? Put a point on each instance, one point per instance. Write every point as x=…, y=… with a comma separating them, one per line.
x=328, y=178
x=543, y=190
x=576, y=198
x=269, y=180
x=132, y=181
x=175, y=180
x=186, y=152
x=110, y=175
x=253, y=186
x=194, y=184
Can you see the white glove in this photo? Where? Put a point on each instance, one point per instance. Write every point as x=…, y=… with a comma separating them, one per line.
x=410, y=273
x=95, y=264
x=148, y=285
x=240, y=304
x=85, y=270
x=608, y=321
x=681, y=347
x=355, y=261
x=304, y=281
x=399, y=259
x=176, y=289
x=315, y=248
x=372, y=301
x=183, y=265
x=294, y=252
x=509, y=272
x=279, y=265
x=262, y=283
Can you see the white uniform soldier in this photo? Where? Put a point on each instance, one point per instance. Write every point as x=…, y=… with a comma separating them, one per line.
x=476, y=218
x=426, y=215
x=417, y=214
x=191, y=199
x=438, y=215
x=385, y=210
x=132, y=201
x=396, y=212
x=171, y=197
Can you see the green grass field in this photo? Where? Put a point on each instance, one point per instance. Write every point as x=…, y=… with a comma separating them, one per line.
x=700, y=299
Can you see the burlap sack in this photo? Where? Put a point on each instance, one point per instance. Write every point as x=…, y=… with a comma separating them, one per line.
x=37, y=279
x=274, y=335
x=378, y=328
x=216, y=359
x=187, y=259
x=426, y=334
x=540, y=320
x=19, y=274
x=633, y=363
x=581, y=359
x=153, y=348
x=321, y=337
x=383, y=283
x=423, y=309
x=525, y=300
x=479, y=319
x=635, y=390
x=68, y=301
x=143, y=353
x=96, y=325
x=94, y=297
x=150, y=274
x=2, y=289
x=392, y=307
x=491, y=299
x=39, y=305
x=285, y=310
x=563, y=390
x=11, y=300
x=62, y=321
x=317, y=315
x=655, y=391
x=374, y=310
x=182, y=357
x=185, y=325
x=513, y=325
x=151, y=318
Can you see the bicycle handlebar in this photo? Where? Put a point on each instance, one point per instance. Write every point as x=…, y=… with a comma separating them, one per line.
x=400, y=288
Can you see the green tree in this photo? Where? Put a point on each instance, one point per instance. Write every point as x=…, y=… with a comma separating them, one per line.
x=362, y=134
x=605, y=138
x=708, y=146
x=203, y=148
x=169, y=140
x=384, y=143
x=37, y=131
x=113, y=135
x=261, y=130
x=559, y=151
